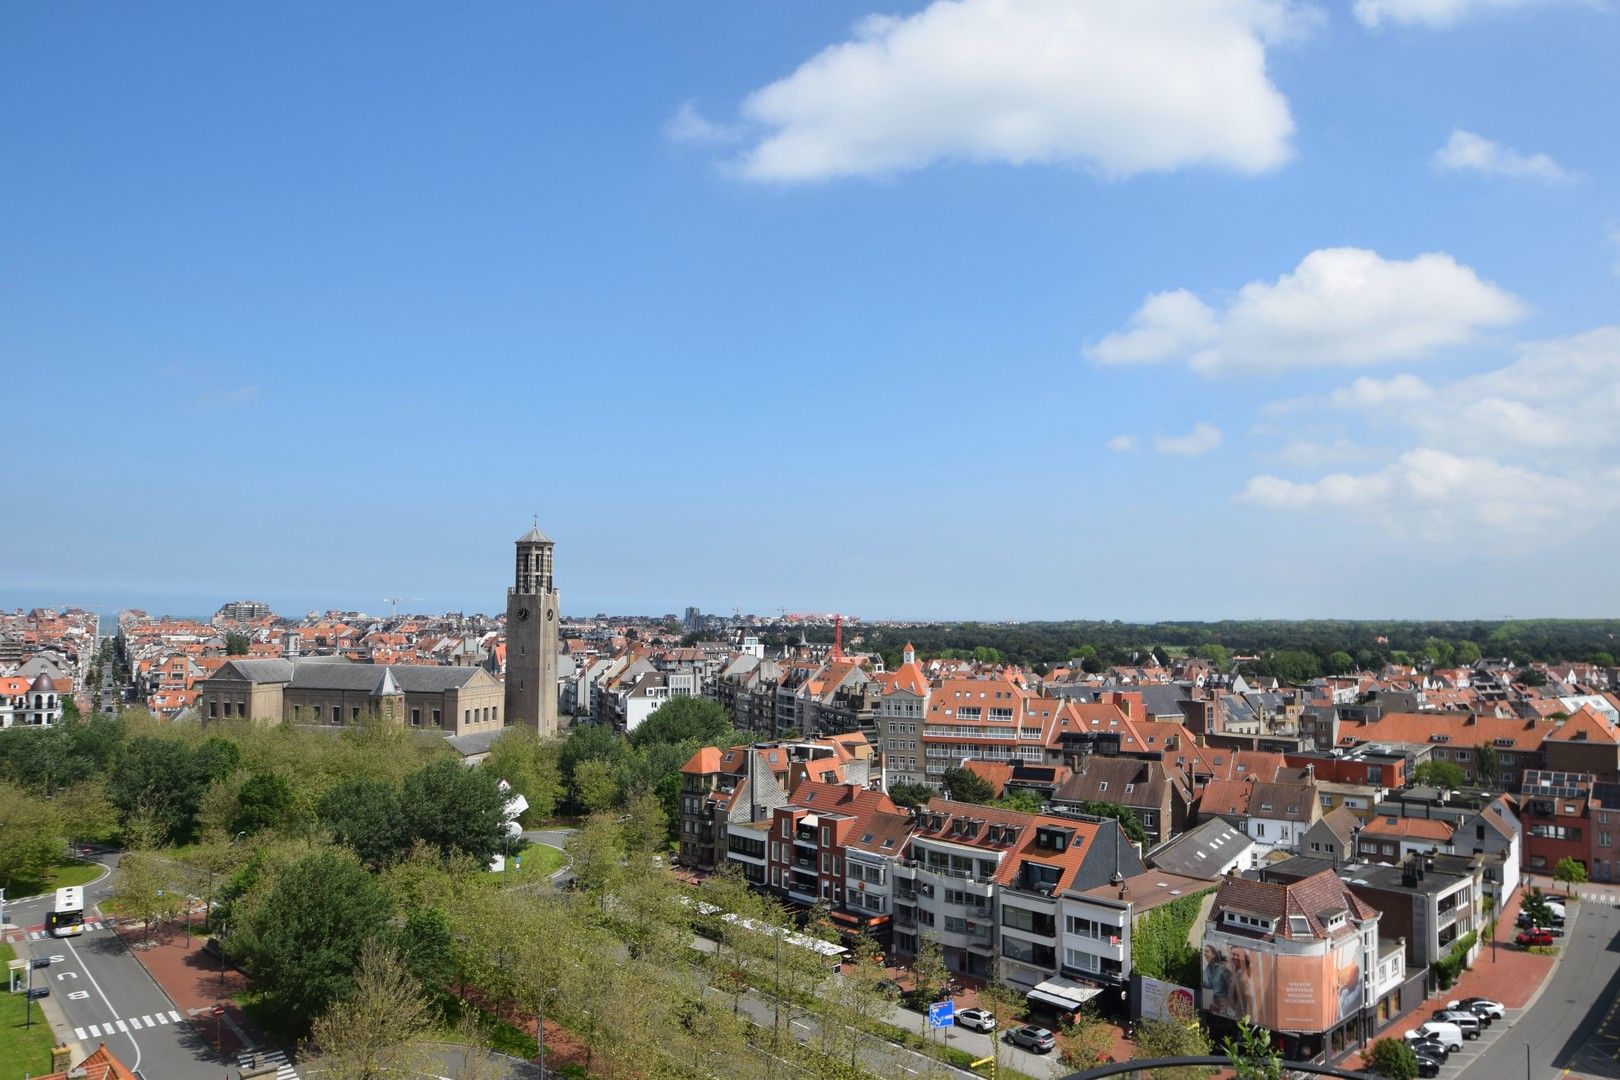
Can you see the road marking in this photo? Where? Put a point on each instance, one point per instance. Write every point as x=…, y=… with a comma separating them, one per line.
x=175, y=1017
x=95, y=1032
x=121, y=1026
x=147, y=1020
x=135, y=1066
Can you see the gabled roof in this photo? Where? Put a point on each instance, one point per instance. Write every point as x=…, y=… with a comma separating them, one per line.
x=1313, y=898
x=705, y=760
x=1408, y=828
x=1341, y=823
x=1202, y=851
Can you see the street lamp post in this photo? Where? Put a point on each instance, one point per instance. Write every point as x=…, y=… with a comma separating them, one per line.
x=540, y=1029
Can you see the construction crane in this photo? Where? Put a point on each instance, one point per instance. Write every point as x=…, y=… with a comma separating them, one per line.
x=398, y=600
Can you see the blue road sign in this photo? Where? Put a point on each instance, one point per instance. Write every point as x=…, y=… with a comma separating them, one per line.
x=942, y=1013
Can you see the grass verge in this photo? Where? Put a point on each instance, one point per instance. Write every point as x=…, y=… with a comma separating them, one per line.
x=539, y=862
x=23, y=1049
x=60, y=876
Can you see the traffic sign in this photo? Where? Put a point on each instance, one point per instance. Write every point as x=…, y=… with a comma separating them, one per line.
x=219, y=1010
x=942, y=1014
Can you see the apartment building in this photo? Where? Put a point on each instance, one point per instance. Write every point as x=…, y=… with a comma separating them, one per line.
x=992, y=719
x=902, y=702
x=1301, y=959
x=807, y=857
x=986, y=884
x=1097, y=927
x=1392, y=840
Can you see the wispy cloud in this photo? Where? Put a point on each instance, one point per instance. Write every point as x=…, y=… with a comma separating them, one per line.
x=1122, y=444
x=688, y=125
x=1203, y=438
x=1467, y=152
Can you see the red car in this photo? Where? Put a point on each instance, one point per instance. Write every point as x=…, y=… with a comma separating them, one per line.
x=1535, y=936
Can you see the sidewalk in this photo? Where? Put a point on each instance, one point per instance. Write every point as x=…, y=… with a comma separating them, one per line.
x=1509, y=975
x=191, y=978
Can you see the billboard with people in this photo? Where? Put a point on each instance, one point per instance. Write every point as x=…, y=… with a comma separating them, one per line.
x=1282, y=992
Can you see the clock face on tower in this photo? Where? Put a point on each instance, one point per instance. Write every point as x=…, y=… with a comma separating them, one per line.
x=522, y=613
x=550, y=614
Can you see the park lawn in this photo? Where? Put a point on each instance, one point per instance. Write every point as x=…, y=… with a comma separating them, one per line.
x=539, y=862
x=60, y=876
x=504, y=1037
x=23, y=1050
x=279, y=1027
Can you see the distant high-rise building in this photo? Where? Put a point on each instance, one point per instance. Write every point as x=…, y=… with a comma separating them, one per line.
x=532, y=610
x=693, y=619
x=242, y=611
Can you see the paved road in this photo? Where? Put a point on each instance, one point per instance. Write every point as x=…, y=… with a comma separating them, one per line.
x=107, y=996
x=1574, y=1026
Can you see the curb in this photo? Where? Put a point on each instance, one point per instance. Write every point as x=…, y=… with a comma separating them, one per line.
x=1569, y=932
x=105, y=870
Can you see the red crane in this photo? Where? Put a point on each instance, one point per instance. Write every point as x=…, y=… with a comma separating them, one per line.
x=838, y=637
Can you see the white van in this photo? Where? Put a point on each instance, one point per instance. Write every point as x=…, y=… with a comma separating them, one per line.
x=1449, y=1035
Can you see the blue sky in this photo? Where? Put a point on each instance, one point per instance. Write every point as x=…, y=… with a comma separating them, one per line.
x=1028, y=309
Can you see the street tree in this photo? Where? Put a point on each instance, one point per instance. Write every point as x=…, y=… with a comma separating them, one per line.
x=1392, y=1058
x=86, y=813
x=1536, y=905
x=1486, y=765
x=685, y=719
x=1570, y=872
x=596, y=788
x=1087, y=1042
x=265, y=801
x=144, y=881
x=928, y=971
x=1179, y=1036
x=375, y=1032
x=530, y=765
x=596, y=857
x=31, y=839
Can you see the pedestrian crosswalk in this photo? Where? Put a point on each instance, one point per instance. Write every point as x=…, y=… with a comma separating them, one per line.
x=1610, y=899
x=278, y=1058
x=128, y=1023
x=89, y=925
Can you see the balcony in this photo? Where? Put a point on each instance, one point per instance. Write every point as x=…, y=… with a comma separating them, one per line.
x=805, y=864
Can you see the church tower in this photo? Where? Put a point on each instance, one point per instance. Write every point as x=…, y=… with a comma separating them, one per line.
x=531, y=637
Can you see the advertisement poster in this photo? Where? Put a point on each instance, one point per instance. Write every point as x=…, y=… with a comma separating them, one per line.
x=1166, y=1001
x=1283, y=993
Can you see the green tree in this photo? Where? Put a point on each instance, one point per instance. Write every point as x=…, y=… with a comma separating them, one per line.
x=1531, y=677
x=144, y=881
x=424, y=942
x=685, y=719
x=964, y=785
x=596, y=857
x=1252, y=1055
x=165, y=778
x=595, y=787
x=236, y=644
x=1603, y=658
x=302, y=943
x=455, y=809
x=265, y=802
x=374, y=1032
x=1536, y=905
x=1440, y=774
x=1294, y=667
x=1340, y=662
x=86, y=810
x=1393, y=1058
x=1123, y=814
x=1570, y=872
x=1215, y=654
x=1180, y=1036
x=365, y=816
x=1466, y=653
x=928, y=971
x=1087, y=1043
x=531, y=766
x=1021, y=800
x=31, y=840
x=910, y=794
x=1486, y=765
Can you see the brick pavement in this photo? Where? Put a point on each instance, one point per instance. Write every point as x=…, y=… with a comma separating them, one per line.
x=191, y=978
x=1510, y=975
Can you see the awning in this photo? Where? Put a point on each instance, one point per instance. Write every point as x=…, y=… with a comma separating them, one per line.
x=1063, y=994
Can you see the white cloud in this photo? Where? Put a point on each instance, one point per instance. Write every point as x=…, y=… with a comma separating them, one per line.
x=1121, y=444
x=1431, y=13
x=1433, y=493
x=1118, y=88
x=1314, y=453
x=1203, y=438
x=690, y=126
x=1338, y=307
x=1522, y=448
x=1467, y=152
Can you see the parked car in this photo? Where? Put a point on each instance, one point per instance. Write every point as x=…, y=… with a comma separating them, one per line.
x=1467, y=1021
x=890, y=988
x=1432, y=1047
x=976, y=1020
x=1447, y=1034
x=1484, y=1020
x=1534, y=937
x=1037, y=1040
x=1495, y=1009
x=1427, y=1064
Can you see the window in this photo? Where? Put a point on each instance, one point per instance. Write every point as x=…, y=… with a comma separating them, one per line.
x=1031, y=922
x=1027, y=952
x=437, y=718
x=337, y=714
x=1299, y=925
x=1086, y=928
x=213, y=710
x=787, y=828
x=416, y=718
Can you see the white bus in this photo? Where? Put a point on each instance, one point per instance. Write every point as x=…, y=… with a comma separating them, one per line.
x=67, y=917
